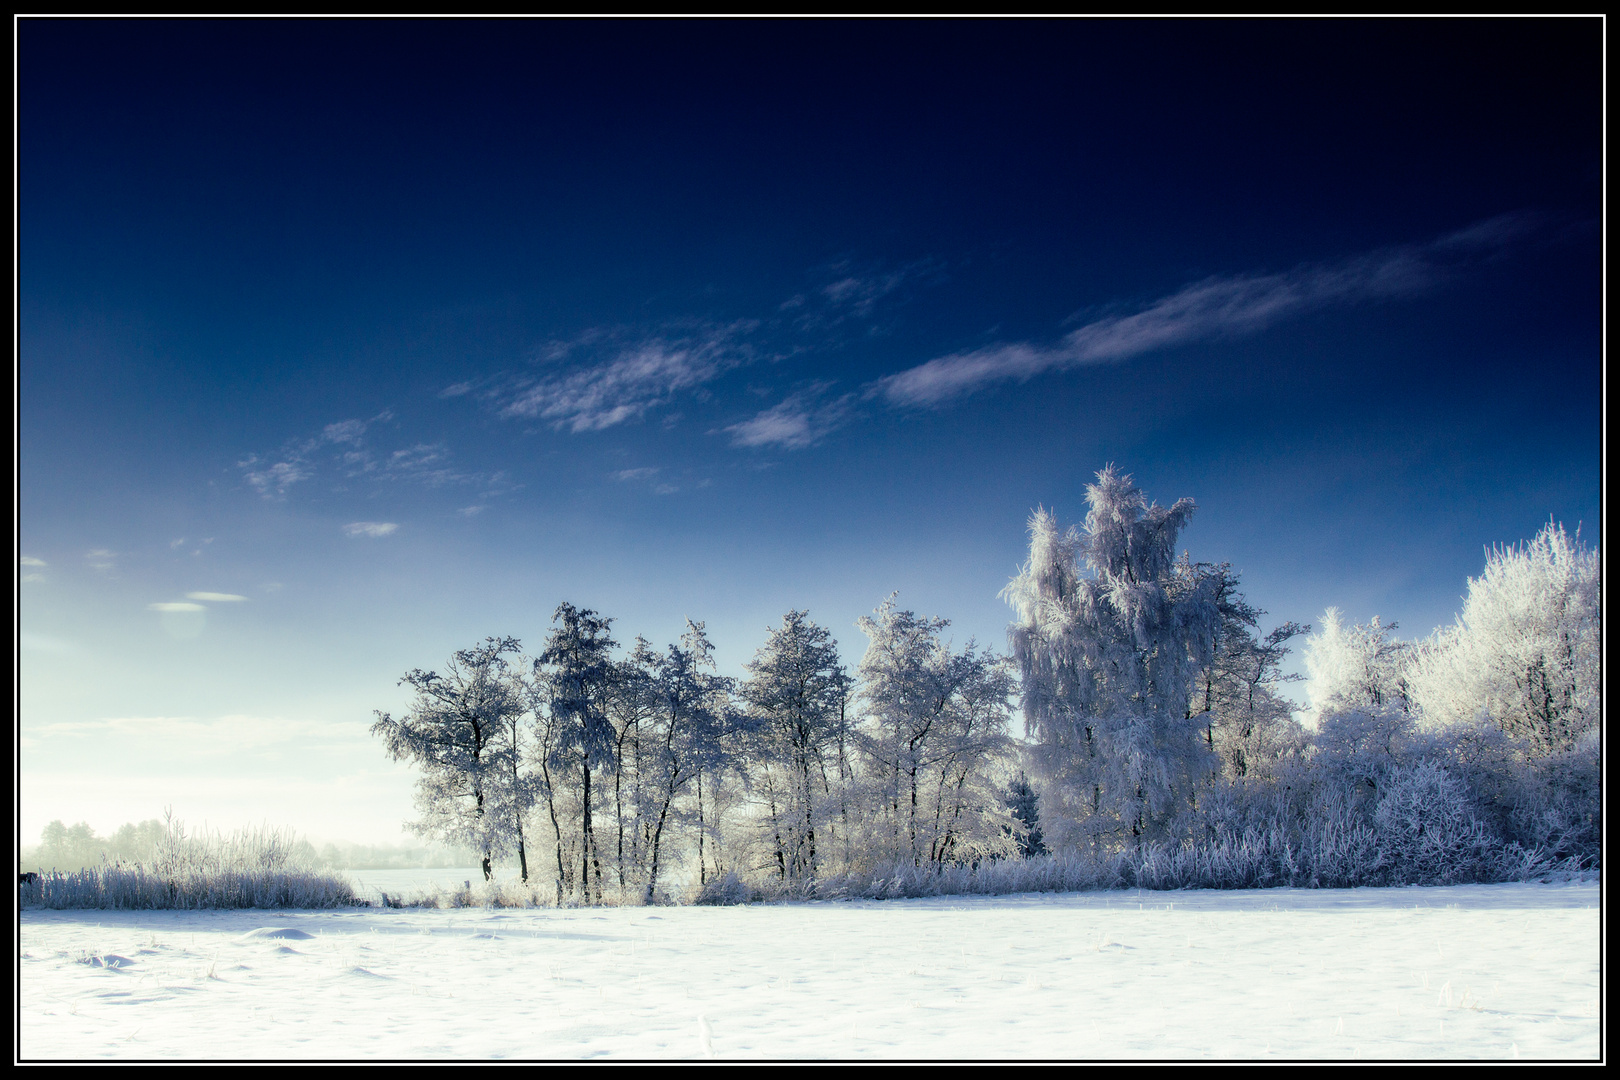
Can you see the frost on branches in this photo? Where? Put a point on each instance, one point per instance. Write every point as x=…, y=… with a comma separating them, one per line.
x=1526, y=650
x=796, y=698
x=1109, y=640
x=935, y=742
x=462, y=728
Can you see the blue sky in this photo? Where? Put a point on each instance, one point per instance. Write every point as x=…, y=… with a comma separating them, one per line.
x=401, y=333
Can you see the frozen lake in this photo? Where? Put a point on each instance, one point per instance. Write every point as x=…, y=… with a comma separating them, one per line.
x=1478, y=971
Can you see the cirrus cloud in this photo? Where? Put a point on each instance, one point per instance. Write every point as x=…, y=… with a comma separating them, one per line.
x=1229, y=306
x=799, y=421
x=371, y=529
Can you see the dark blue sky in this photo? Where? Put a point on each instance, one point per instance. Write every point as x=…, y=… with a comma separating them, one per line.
x=712, y=319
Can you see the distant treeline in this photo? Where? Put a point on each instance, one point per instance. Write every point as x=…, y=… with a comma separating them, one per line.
x=383, y=857
x=77, y=847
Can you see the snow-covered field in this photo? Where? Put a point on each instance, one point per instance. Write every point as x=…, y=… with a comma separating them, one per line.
x=1480, y=971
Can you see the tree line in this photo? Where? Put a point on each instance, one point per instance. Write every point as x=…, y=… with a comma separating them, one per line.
x=596, y=769
x=1154, y=726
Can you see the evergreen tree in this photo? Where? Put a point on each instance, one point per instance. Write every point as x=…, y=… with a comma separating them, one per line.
x=1025, y=805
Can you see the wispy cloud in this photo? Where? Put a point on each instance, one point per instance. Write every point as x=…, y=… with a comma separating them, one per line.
x=29, y=560
x=101, y=559
x=215, y=597
x=858, y=290
x=176, y=605
x=271, y=477
x=801, y=420
x=370, y=529
x=649, y=476
x=344, y=449
x=1229, y=306
x=272, y=480
x=632, y=379
x=201, y=545
x=348, y=431
x=861, y=293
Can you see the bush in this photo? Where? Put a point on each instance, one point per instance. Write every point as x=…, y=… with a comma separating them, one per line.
x=1428, y=831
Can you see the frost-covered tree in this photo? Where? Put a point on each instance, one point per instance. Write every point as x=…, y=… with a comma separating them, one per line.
x=935, y=737
x=1526, y=651
x=717, y=735
x=1109, y=641
x=1246, y=721
x=575, y=673
x=1356, y=667
x=685, y=734
x=631, y=703
x=796, y=695
x=460, y=730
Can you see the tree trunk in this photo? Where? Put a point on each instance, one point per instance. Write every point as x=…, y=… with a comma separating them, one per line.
x=658, y=834
x=702, y=873
x=587, y=847
x=776, y=827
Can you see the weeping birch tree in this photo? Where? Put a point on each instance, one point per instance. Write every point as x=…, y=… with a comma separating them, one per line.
x=1109, y=641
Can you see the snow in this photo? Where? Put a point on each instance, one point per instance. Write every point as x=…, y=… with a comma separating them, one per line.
x=1476, y=971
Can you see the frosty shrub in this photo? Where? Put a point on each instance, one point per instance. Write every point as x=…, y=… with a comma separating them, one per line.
x=1524, y=661
x=1428, y=833
x=1559, y=805
x=254, y=868
x=1355, y=747
x=726, y=890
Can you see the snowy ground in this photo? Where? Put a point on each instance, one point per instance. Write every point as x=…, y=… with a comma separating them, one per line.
x=1486, y=971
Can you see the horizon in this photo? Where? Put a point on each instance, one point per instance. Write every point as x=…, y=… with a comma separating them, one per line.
x=342, y=346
